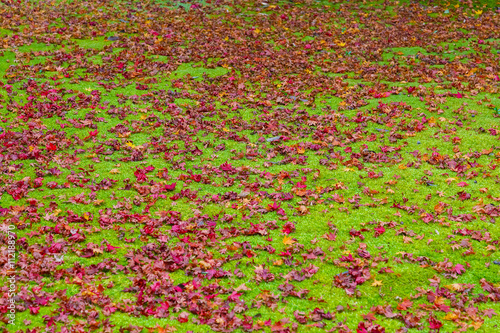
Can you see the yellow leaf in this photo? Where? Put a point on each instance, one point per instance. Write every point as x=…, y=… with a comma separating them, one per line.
x=449, y=180
x=301, y=193
x=450, y=316
x=204, y=264
x=477, y=325
x=288, y=240
x=402, y=166
x=77, y=280
x=86, y=216
x=439, y=300
x=376, y=283
x=454, y=286
x=114, y=171
x=278, y=262
x=87, y=293
x=124, y=135
x=225, y=129
x=491, y=248
x=472, y=71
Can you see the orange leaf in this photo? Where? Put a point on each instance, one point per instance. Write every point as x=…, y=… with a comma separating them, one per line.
x=288, y=240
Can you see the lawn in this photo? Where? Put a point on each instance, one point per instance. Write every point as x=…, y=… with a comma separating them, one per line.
x=239, y=166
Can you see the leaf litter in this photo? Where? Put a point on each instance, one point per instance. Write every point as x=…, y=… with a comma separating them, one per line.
x=248, y=166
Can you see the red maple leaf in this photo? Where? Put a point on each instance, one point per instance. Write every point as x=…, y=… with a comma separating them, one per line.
x=434, y=323
x=459, y=269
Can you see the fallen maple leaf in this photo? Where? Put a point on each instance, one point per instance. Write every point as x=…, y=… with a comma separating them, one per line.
x=489, y=313
x=459, y=269
x=242, y=287
x=288, y=240
x=476, y=325
x=435, y=324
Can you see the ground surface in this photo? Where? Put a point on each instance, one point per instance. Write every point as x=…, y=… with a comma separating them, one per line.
x=250, y=166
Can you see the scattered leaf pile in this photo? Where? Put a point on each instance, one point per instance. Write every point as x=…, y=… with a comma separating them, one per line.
x=249, y=166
